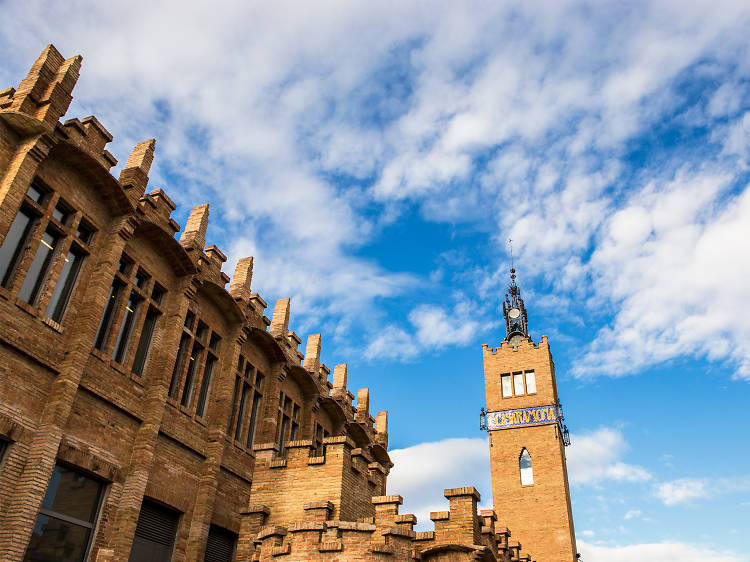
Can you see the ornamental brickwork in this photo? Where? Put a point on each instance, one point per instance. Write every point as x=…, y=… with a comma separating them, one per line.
x=147, y=412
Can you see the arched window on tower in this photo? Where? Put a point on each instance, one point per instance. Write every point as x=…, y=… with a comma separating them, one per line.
x=527, y=473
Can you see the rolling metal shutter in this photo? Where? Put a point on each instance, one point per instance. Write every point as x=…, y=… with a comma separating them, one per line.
x=154, y=534
x=220, y=545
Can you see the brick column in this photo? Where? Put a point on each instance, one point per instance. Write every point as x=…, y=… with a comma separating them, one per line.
x=18, y=175
x=165, y=345
x=15, y=530
x=203, y=508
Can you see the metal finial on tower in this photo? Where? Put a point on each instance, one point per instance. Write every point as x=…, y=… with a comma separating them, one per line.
x=514, y=309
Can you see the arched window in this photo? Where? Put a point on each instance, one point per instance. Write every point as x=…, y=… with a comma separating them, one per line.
x=527, y=473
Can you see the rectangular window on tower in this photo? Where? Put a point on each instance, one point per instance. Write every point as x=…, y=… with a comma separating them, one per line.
x=506, y=384
x=518, y=383
x=530, y=382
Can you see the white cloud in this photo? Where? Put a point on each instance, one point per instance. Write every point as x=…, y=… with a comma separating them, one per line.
x=433, y=328
x=672, y=257
x=423, y=471
x=633, y=514
x=685, y=490
x=596, y=456
x=256, y=108
x=655, y=552
x=681, y=491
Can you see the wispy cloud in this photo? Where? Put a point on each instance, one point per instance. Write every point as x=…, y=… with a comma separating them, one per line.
x=597, y=456
x=687, y=490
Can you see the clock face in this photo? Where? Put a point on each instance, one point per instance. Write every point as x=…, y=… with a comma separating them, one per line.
x=515, y=340
x=514, y=313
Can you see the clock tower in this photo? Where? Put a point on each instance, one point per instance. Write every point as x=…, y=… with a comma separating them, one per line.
x=527, y=438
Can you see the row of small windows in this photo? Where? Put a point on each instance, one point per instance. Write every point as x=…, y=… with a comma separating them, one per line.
x=513, y=385
x=66, y=521
x=43, y=251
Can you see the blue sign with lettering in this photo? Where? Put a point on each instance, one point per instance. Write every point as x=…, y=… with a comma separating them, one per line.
x=538, y=415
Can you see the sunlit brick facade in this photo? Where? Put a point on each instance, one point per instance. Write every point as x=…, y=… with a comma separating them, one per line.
x=147, y=412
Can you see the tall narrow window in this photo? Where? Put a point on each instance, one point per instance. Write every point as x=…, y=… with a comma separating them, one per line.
x=64, y=287
x=193, y=371
x=126, y=318
x=288, y=422
x=255, y=412
x=506, y=384
x=246, y=405
x=126, y=327
x=105, y=324
x=144, y=342
x=178, y=364
x=39, y=267
x=194, y=364
x=321, y=433
x=530, y=382
x=208, y=372
x=518, y=383
x=527, y=473
x=65, y=524
x=13, y=245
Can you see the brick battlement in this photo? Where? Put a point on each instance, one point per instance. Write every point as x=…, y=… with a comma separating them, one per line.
x=505, y=346
x=322, y=537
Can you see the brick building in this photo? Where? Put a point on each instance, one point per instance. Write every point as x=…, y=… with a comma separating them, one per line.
x=148, y=413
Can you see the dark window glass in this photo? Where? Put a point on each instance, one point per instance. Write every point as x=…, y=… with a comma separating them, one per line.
x=235, y=401
x=282, y=433
x=158, y=293
x=189, y=320
x=214, y=343
x=85, y=232
x=141, y=278
x=73, y=494
x=241, y=413
x=259, y=381
x=193, y=366
x=64, y=286
x=58, y=540
x=200, y=333
x=126, y=327
x=205, y=385
x=62, y=211
x=66, y=519
x=253, y=419
x=39, y=267
x=13, y=245
x=125, y=264
x=37, y=193
x=147, y=333
x=178, y=364
x=108, y=317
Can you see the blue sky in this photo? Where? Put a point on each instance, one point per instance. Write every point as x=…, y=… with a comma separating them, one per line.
x=374, y=158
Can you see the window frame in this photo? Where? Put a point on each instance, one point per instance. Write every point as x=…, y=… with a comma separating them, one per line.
x=529, y=479
x=288, y=421
x=96, y=513
x=40, y=205
x=120, y=348
x=199, y=346
x=247, y=404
